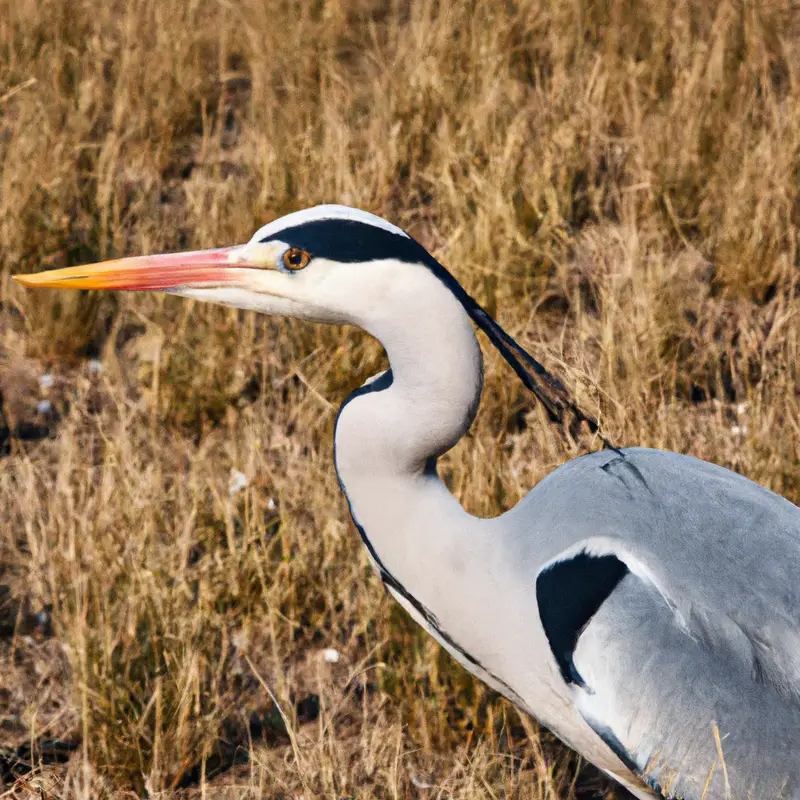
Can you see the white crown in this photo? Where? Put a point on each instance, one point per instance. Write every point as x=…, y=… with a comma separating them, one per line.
x=317, y=213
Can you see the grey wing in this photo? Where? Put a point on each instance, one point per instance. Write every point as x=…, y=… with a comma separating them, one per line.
x=687, y=717
x=686, y=655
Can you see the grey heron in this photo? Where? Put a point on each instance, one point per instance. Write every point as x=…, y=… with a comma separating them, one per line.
x=643, y=605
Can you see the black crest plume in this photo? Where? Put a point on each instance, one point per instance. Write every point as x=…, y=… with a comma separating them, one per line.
x=547, y=389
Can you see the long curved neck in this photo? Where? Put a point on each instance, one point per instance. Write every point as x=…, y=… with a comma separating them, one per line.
x=395, y=427
x=389, y=432
x=428, y=550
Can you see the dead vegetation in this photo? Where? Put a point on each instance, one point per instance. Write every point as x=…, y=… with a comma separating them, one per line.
x=617, y=181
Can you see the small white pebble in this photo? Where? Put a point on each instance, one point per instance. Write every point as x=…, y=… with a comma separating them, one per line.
x=331, y=655
x=739, y=430
x=44, y=406
x=46, y=381
x=271, y=504
x=237, y=482
x=94, y=366
x=741, y=408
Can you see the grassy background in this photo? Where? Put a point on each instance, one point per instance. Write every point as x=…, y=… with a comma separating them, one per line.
x=616, y=180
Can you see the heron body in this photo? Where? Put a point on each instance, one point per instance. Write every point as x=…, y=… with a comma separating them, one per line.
x=643, y=605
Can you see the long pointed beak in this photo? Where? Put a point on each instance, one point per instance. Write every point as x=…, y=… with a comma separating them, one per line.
x=148, y=273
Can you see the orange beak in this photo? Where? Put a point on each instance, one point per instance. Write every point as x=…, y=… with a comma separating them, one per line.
x=148, y=273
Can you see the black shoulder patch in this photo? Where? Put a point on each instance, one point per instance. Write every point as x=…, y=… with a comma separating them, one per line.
x=569, y=593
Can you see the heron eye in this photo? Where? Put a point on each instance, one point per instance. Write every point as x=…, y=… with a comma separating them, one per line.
x=295, y=258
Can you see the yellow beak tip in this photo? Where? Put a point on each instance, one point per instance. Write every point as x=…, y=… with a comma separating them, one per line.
x=34, y=280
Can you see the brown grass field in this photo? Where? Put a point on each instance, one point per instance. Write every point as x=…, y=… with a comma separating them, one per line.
x=617, y=181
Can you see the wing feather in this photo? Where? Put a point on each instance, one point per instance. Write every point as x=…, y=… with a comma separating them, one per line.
x=692, y=657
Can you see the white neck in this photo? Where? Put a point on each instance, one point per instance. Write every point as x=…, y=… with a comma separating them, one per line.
x=442, y=564
x=436, y=380
x=427, y=548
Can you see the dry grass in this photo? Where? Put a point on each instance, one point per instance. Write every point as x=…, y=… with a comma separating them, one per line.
x=618, y=180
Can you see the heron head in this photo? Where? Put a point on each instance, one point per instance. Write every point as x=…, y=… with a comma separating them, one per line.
x=329, y=264
x=309, y=264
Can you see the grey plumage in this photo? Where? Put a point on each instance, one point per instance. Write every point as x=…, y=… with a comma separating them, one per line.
x=703, y=635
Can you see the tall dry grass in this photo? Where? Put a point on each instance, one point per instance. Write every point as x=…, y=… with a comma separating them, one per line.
x=617, y=181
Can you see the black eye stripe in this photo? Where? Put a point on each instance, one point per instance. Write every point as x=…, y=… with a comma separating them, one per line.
x=349, y=241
